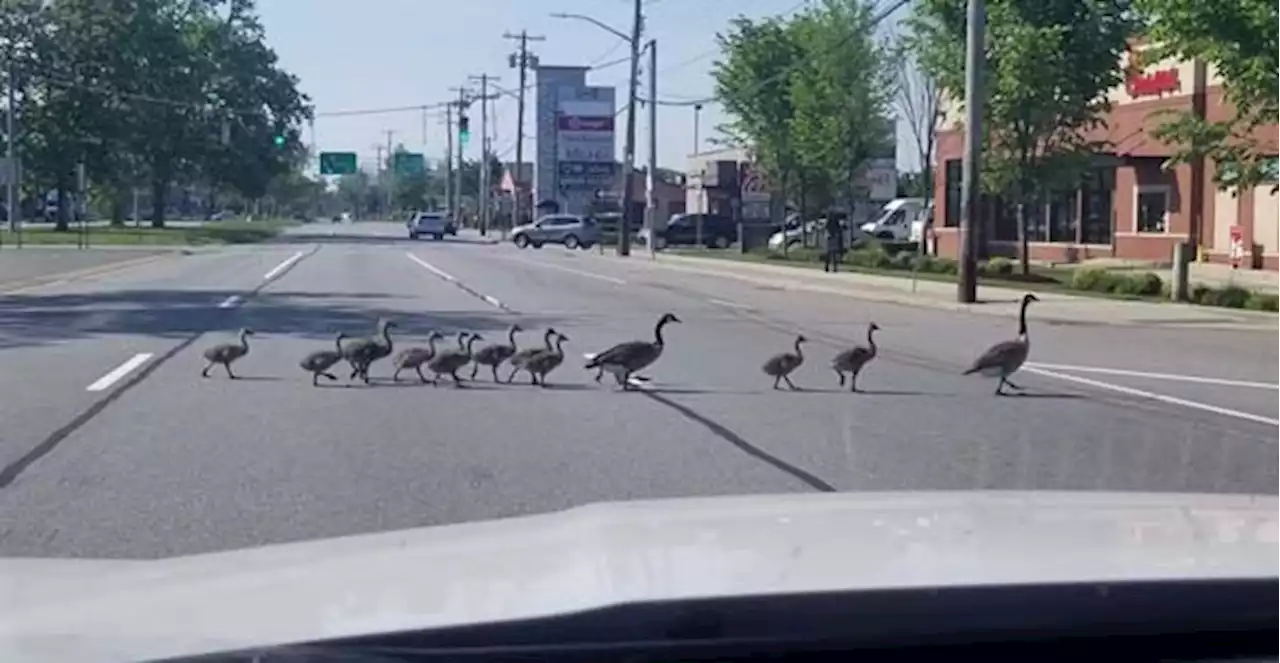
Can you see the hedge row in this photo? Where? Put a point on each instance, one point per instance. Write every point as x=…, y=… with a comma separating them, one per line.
x=1086, y=279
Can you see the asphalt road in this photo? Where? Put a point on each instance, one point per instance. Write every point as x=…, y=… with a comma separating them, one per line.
x=113, y=446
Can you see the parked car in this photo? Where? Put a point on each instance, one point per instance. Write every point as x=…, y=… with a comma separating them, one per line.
x=718, y=231
x=571, y=230
x=432, y=224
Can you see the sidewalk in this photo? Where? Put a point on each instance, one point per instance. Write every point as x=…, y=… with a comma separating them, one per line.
x=996, y=301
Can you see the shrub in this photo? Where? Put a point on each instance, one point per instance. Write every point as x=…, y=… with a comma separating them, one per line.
x=1229, y=297
x=1092, y=279
x=1146, y=284
x=902, y=260
x=1260, y=301
x=999, y=265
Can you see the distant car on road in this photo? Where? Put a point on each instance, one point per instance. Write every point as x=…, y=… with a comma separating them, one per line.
x=432, y=224
x=571, y=230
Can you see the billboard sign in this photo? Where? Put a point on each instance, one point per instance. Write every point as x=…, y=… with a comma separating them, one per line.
x=585, y=144
x=584, y=175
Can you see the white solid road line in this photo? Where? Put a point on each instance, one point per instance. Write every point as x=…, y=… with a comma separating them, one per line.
x=570, y=270
x=1156, y=376
x=432, y=268
x=284, y=266
x=488, y=299
x=119, y=372
x=231, y=302
x=1172, y=400
x=725, y=302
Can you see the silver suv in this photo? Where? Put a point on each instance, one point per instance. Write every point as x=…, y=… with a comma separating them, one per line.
x=571, y=230
x=432, y=224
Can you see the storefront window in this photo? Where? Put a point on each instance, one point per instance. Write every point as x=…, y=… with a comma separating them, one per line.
x=1152, y=209
x=1004, y=220
x=1096, y=216
x=1063, y=217
x=953, y=175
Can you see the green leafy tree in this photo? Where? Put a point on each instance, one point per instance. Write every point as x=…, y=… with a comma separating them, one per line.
x=753, y=83
x=1049, y=64
x=1237, y=38
x=842, y=95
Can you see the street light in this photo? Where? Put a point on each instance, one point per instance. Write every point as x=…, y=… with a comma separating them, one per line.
x=596, y=22
x=629, y=153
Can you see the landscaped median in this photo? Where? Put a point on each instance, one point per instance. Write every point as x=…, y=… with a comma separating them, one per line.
x=211, y=232
x=1002, y=272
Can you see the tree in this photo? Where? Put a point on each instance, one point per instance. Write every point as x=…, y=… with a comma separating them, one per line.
x=1238, y=39
x=1049, y=64
x=920, y=106
x=753, y=83
x=161, y=91
x=842, y=95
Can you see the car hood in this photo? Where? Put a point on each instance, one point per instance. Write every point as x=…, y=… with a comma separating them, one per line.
x=601, y=555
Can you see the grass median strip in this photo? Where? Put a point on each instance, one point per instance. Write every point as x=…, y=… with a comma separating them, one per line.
x=1000, y=272
x=211, y=233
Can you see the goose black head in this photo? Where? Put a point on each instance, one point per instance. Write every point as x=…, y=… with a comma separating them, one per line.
x=801, y=339
x=1028, y=298
x=435, y=335
x=517, y=328
x=670, y=317
x=873, y=327
x=246, y=332
x=476, y=337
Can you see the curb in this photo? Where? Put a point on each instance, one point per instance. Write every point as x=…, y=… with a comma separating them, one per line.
x=695, y=265
x=46, y=279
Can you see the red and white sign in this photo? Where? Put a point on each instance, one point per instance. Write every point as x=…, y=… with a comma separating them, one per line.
x=1140, y=83
x=1153, y=84
x=579, y=123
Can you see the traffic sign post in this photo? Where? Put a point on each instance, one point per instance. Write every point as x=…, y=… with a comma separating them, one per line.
x=337, y=163
x=1237, y=246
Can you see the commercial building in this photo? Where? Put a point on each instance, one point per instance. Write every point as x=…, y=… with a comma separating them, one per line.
x=1130, y=206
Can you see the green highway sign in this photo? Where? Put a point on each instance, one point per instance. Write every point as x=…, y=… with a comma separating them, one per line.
x=337, y=163
x=409, y=163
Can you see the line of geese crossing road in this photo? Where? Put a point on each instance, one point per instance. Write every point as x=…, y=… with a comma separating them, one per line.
x=623, y=361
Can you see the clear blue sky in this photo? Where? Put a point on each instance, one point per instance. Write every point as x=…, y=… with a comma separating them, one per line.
x=397, y=53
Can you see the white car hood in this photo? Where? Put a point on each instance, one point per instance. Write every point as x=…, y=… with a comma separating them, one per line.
x=595, y=556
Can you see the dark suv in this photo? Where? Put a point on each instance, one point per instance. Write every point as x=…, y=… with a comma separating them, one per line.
x=718, y=231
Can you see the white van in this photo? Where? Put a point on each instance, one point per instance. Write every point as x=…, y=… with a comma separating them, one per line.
x=895, y=219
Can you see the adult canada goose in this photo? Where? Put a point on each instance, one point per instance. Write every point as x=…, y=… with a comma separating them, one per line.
x=493, y=355
x=414, y=357
x=624, y=359
x=852, y=361
x=319, y=362
x=780, y=366
x=518, y=358
x=540, y=364
x=1004, y=359
x=364, y=354
x=226, y=354
x=356, y=348
x=448, y=362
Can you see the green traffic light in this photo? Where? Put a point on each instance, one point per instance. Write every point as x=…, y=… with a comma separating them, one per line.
x=279, y=141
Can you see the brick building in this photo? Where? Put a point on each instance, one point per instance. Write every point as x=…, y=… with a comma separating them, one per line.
x=1129, y=207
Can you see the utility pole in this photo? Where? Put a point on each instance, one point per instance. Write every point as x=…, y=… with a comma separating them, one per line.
x=967, y=283
x=521, y=60
x=448, y=159
x=11, y=152
x=651, y=192
x=629, y=153
x=379, y=165
x=391, y=176
x=463, y=104
x=485, y=184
